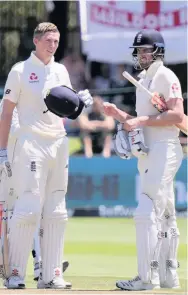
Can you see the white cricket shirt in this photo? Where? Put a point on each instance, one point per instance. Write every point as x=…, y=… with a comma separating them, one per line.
x=27, y=85
x=157, y=78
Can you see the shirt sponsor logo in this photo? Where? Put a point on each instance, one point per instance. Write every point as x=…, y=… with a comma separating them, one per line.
x=33, y=78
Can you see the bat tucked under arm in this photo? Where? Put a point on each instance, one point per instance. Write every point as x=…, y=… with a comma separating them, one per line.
x=158, y=101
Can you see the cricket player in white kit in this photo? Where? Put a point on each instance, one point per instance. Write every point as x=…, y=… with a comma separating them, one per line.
x=12, y=196
x=157, y=234
x=40, y=164
x=10, y=150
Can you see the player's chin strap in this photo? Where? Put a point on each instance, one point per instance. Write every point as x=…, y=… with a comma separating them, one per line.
x=121, y=143
x=137, y=143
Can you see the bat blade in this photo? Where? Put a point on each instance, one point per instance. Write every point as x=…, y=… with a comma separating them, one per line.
x=4, y=265
x=3, y=241
x=135, y=82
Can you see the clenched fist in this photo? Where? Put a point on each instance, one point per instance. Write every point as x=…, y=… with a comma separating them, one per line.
x=158, y=102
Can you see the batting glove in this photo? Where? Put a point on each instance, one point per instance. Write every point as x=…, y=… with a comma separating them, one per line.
x=158, y=102
x=4, y=163
x=121, y=143
x=137, y=143
x=85, y=97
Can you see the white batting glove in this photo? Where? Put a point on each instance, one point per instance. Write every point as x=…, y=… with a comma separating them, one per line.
x=85, y=97
x=121, y=143
x=137, y=143
x=4, y=163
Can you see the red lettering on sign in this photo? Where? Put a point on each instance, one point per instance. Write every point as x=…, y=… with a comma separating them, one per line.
x=151, y=18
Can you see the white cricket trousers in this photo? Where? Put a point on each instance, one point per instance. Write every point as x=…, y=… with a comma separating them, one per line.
x=157, y=172
x=40, y=178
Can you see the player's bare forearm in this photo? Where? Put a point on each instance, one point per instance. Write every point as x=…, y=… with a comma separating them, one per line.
x=122, y=116
x=110, y=109
x=5, y=122
x=167, y=118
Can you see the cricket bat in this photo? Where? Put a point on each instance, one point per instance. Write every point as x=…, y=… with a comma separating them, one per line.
x=4, y=265
x=183, y=126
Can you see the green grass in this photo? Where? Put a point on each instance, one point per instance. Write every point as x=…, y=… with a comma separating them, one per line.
x=102, y=250
x=74, y=145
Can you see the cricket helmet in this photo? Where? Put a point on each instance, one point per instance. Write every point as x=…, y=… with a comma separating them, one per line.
x=62, y=101
x=151, y=39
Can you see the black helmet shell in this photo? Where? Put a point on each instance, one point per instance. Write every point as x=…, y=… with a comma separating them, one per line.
x=62, y=101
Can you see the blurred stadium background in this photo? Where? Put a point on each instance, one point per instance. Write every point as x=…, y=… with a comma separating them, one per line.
x=95, y=36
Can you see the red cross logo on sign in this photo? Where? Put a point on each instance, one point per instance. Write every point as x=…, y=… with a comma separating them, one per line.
x=152, y=9
x=112, y=2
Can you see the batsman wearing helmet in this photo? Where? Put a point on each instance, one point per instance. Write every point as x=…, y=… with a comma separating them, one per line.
x=157, y=234
x=40, y=89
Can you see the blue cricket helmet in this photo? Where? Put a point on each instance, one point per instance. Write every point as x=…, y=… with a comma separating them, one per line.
x=64, y=102
x=149, y=39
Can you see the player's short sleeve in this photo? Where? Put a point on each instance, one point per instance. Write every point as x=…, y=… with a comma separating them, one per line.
x=172, y=86
x=12, y=86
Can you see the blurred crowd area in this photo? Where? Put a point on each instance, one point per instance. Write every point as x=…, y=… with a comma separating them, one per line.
x=93, y=131
x=106, y=83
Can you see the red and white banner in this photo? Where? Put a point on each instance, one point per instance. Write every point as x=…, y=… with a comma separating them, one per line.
x=108, y=28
